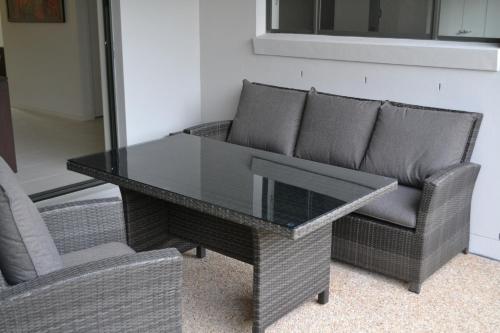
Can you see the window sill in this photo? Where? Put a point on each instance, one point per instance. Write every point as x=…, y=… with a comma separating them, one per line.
x=427, y=53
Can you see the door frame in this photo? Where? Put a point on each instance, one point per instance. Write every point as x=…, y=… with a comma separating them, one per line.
x=108, y=77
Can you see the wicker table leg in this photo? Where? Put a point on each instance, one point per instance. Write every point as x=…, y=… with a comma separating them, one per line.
x=288, y=272
x=146, y=221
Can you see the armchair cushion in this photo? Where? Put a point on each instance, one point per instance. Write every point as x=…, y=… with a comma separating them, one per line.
x=99, y=252
x=412, y=144
x=26, y=249
x=398, y=207
x=268, y=118
x=336, y=130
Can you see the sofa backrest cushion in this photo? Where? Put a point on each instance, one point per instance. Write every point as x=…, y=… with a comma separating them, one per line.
x=336, y=130
x=26, y=248
x=411, y=144
x=268, y=118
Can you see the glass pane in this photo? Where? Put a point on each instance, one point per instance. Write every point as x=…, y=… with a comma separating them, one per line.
x=327, y=14
x=492, y=26
x=352, y=15
x=267, y=186
x=470, y=18
x=382, y=17
x=292, y=15
x=406, y=17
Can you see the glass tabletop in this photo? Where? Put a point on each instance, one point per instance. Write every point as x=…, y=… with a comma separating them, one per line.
x=273, y=188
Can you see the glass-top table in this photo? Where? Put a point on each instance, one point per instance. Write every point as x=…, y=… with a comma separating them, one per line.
x=266, y=190
x=269, y=210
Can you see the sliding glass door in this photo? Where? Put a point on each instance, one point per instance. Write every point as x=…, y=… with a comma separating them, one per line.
x=57, y=94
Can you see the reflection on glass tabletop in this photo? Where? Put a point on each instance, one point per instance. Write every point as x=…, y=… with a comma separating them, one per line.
x=285, y=191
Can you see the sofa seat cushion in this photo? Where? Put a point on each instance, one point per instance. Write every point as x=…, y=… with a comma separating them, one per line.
x=412, y=144
x=100, y=252
x=336, y=130
x=27, y=250
x=268, y=118
x=398, y=207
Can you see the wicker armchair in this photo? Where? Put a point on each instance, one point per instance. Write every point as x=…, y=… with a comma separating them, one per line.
x=134, y=292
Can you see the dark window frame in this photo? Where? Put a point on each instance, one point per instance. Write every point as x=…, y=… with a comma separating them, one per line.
x=434, y=35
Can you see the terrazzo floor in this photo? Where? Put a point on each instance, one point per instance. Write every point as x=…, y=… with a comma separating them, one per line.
x=44, y=144
x=464, y=296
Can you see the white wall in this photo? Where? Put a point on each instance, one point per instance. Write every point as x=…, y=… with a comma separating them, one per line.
x=49, y=64
x=161, y=67
x=227, y=28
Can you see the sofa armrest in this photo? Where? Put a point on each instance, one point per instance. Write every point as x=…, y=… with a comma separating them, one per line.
x=446, y=198
x=218, y=130
x=138, y=292
x=81, y=225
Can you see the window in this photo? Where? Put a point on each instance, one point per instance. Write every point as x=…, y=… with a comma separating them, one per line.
x=473, y=20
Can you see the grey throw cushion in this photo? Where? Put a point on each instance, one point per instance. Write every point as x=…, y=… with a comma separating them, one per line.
x=398, y=207
x=100, y=252
x=336, y=130
x=26, y=247
x=268, y=118
x=412, y=144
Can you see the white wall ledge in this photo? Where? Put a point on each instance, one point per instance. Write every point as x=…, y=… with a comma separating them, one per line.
x=427, y=53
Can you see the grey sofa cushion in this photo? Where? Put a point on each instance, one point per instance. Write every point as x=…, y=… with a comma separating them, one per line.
x=412, y=144
x=398, y=207
x=336, y=130
x=26, y=248
x=100, y=252
x=268, y=118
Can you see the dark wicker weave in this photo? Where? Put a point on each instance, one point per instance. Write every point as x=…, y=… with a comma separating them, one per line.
x=132, y=293
x=412, y=255
x=286, y=272
x=218, y=130
x=289, y=268
x=290, y=265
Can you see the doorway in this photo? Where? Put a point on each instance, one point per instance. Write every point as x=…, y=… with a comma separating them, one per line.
x=59, y=85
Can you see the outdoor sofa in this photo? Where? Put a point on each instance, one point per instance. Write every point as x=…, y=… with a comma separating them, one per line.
x=409, y=233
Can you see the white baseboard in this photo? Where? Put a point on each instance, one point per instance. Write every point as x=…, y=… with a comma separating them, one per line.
x=485, y=246
x=57, y=114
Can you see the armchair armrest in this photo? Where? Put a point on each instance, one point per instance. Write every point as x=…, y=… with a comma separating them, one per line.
x=446, y=198
x=138, y=292
x=81, y=225
x=218, y=130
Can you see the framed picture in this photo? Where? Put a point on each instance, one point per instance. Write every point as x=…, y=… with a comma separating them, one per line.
x=35, y=11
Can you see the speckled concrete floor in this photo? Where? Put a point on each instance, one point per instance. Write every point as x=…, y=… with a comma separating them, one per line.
x=464, y=296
